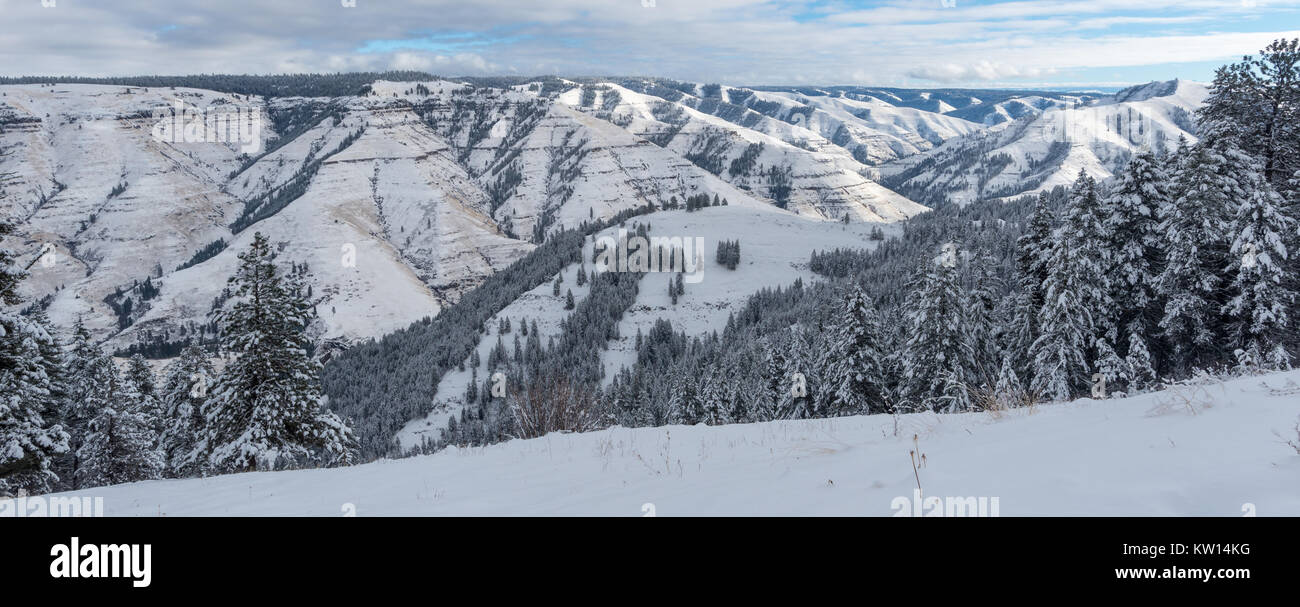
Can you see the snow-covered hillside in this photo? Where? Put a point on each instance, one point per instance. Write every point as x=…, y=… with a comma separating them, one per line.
x=775, y=248
x=403, y=197
x=823, y=179
x=81, y=172
x=399, y=199
x=1217, y=449
x=1048, y=149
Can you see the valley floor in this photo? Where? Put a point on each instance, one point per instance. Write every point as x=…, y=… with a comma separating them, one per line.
x=1206, y=450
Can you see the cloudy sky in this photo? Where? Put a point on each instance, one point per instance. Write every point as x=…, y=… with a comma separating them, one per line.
x=985, y=43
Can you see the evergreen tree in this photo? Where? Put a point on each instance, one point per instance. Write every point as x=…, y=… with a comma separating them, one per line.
x=29, y=389
x=1197, y=251
x=142, y=382
x=1080, y=257
x=1132, y=209
x=118, y=446
x=982, y=322
x=1257, y=102
x=800, y=370
x=713, y=399
x=1060, y=354
x=938, y=345
x=1142, y=374
x=76, y=410
x=1034, y=250
x=1009, y=391
x=1110, y=366
x=1075, y=296
x=1033, y=261
x=777, y=383
x=184, y=388
x=857, y=373
x=265, y=410
x=955, y=394
x=471, y=389
x=686, y=403
x=1258, y=311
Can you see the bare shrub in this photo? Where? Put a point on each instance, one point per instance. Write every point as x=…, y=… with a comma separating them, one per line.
x=996, y=403
x=1192, y=397
x=555, y=404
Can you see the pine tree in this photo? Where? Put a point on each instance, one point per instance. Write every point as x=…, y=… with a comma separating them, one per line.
x=1074, y=296
x=982, y=322
x=857, y=374
x=1132, y=209
x=265, y=410
x=184, y=388
x=1258, y=311
x=29, y=392
x=1257, y=101
x=471, y=389
x=938, y=344
x=1080, y=256
x=686, y=403
x=143, y=383
x=1034, y=250
x=1009, y=391
x=75, y=409
x=776, y=387
x=1060, y=353
x=1197, y=252
x=1110, y=366
x=800, y=369
x=713, y=397
x=118, y=446
x=1033, y=260
x=1142, y=374
x=1292, y=240
x=955, y=393
x=1021, y=330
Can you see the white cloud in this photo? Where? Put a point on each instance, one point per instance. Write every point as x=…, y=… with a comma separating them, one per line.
x=461, y=63
x=986, y=71
x=731, y=41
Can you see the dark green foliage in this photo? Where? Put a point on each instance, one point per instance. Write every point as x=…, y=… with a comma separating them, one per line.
x=728, y=253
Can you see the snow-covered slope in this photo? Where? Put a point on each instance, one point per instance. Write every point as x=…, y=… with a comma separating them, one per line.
x=775, y=249
x=391, y=227
x=402, y=198
x=823, y=179
x=399, y=200
x=82, y=173
x=1208, y=450
x=881, y=131
x=1048, y=149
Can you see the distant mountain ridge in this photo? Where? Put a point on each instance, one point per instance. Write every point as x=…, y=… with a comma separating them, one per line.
x=400, y=196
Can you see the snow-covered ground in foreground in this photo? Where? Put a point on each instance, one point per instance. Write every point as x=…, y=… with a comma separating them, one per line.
x=1206, y=450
